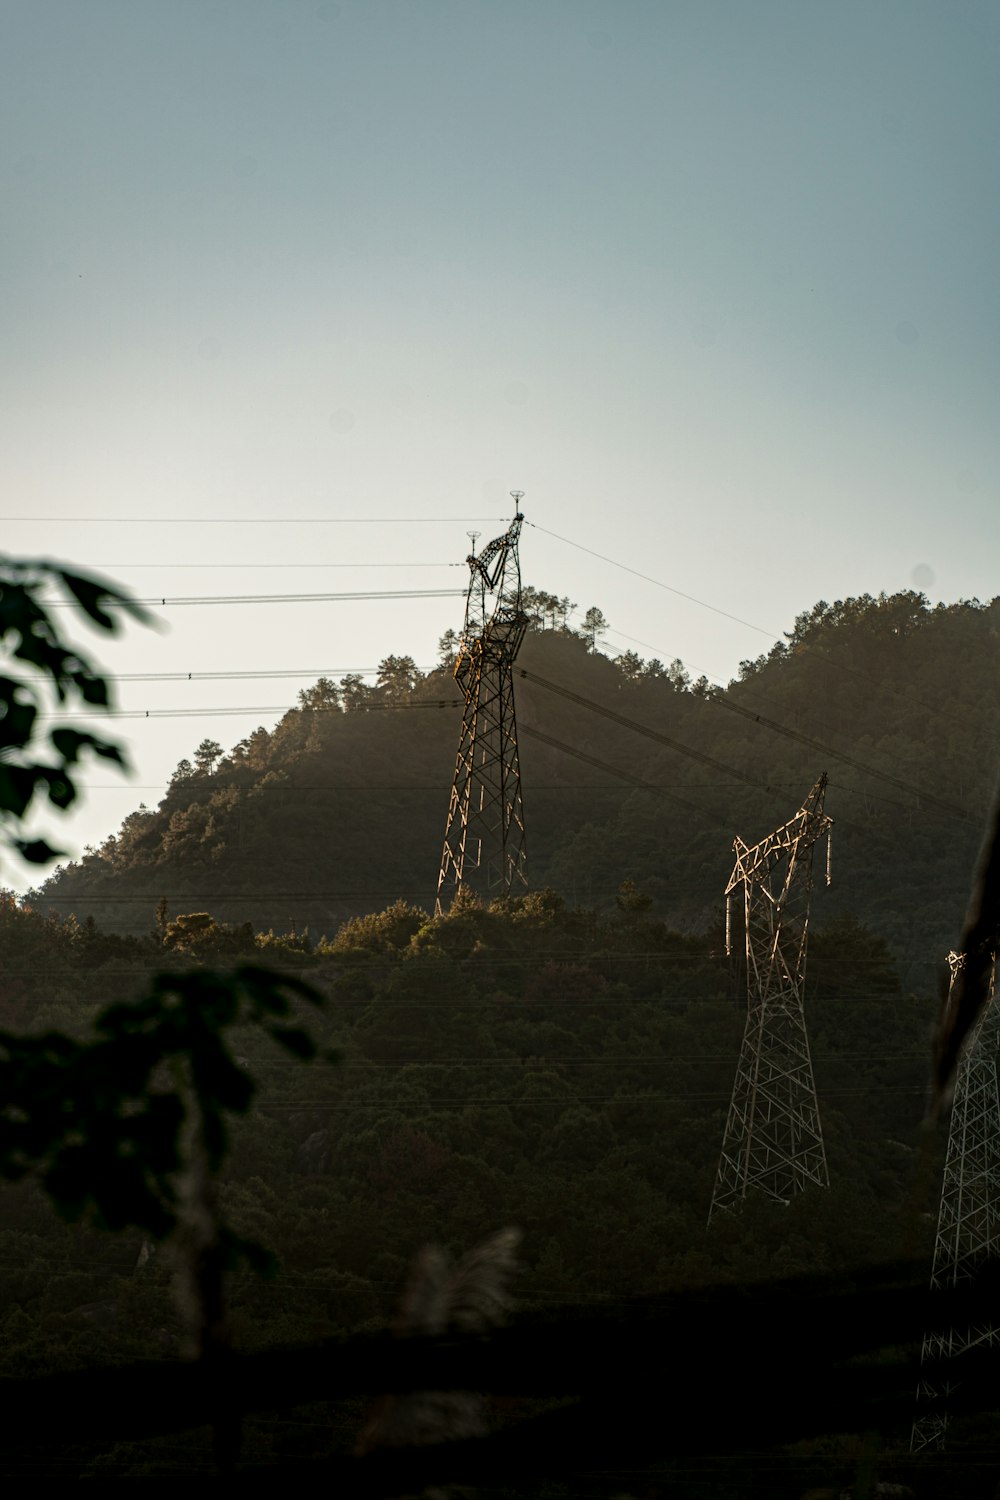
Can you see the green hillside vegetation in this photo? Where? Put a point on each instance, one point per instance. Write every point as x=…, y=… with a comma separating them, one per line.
x=554, y=1068
x=340, y=808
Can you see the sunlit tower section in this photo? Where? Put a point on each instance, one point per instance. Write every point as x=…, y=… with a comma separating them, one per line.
x=968, y=1226
x=773, y=1142
x=484, y=844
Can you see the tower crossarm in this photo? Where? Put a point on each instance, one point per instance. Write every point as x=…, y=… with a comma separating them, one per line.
x=754, y=864
x=492, y=631
x=492, y=560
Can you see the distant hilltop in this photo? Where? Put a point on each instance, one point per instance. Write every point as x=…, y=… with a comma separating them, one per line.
x=631, y=770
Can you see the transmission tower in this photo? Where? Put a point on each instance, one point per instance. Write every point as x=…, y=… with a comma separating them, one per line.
x=772, y=1140
x=968, y=1227
x=484, y=843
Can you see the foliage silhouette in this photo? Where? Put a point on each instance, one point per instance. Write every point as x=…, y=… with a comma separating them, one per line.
x=30, y=638
x=101, y=1121
x=130, y=1125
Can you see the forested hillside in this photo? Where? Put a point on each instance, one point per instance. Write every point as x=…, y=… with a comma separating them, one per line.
x=553, y=1069
x=339, y=809
x=560, y=1062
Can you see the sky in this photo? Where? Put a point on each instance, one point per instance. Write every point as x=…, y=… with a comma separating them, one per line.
x=293, y=294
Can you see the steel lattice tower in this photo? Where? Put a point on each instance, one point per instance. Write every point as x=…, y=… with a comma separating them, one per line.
x=484, y=844
x=968, y=1227
x=773, y=1142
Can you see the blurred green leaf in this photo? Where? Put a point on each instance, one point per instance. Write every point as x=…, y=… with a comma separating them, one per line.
x=93, y=595
x=99, y=1122
x=17, y=787
x=92, y=689
x=69, y=743
x=18, y=720
x=35, y=851
x=62, y=791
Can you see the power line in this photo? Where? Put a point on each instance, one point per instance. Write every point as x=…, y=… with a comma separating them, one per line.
x=436, y=787
x=634, y=781
x=559, y=1100
x=737, y=619
x=273, y=675
x=280, y=672
x=347, y=960
x=168, y=602
x=644, y=729
x=712, y=1059
x=139, y=971
x=656, y=582
x=250, y=520
x=561, y=787
x=744, y=686
x=880, y=797
x=686, y=1003
x=265, y=708
x=255, y=565
x=949, y=808
x=648, y=646
x=334, y=962
x=813, y=744
x=754, y=692
x=394, y=893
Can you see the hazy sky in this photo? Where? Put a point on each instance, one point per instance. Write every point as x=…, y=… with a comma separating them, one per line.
x=713, y=283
